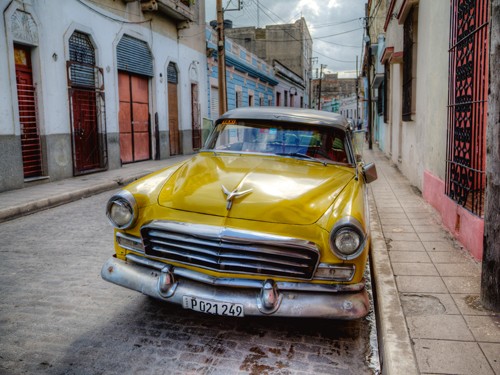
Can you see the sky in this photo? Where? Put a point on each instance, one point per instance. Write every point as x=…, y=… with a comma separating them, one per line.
x=336, y=26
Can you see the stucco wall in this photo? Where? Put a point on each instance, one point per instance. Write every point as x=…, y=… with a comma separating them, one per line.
x=55, y=22
x=432, y=84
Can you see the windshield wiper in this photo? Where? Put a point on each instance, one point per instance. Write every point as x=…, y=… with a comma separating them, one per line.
x=300, y=155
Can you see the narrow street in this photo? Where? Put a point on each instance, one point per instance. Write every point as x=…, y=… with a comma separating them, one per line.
x=57, y=316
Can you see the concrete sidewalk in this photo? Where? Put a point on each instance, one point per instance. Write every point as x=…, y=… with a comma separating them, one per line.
x=16, y=203
x=427, y=287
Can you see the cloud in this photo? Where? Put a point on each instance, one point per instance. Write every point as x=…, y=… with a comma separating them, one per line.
x=335, y=25
x=311, y=4
x=333, y=4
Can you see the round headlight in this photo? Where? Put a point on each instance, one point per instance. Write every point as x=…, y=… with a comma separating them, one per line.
x=347, y=238
x=122, y=210
x=347, y=241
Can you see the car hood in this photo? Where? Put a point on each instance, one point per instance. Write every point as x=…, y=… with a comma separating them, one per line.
x=253, y=187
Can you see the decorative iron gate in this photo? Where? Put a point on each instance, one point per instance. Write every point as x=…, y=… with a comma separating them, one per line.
x=86, y=97
x=467, y=110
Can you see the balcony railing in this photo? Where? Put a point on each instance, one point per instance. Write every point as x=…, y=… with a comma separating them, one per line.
x=181, y=10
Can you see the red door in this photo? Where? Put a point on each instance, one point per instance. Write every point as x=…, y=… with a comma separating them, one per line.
x=134, y=118
x=85, y=134
x=30, y=138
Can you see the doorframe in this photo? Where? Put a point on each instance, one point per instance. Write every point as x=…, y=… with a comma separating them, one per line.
x=31, y=40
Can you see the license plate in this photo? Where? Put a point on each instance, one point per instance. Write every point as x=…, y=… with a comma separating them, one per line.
x=212, y=307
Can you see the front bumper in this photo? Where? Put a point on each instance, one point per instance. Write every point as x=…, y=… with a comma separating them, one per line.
x=260, y=298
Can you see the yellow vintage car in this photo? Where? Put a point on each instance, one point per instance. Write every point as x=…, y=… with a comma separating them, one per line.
x=270, y=218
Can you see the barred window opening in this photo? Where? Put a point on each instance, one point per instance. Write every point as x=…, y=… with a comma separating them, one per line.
x=467, y=109
x=408, y=66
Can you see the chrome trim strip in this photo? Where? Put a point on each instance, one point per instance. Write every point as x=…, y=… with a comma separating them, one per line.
x=128, y=237
x=350, y=267
x=232, y=235
x=244, y=283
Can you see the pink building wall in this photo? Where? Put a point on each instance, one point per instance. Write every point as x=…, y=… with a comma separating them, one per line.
x=467, y=228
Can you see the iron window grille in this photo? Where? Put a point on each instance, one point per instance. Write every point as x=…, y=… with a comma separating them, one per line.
x=408, y=67
x=467, y=104
x=387, y=72
x=172, y=74
x=380, y=99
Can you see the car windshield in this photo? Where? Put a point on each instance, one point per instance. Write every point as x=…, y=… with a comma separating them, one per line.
x=325, y=144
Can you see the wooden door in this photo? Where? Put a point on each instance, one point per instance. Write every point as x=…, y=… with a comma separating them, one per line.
x=30, y=137
x=85, y=134
x=133, y=118
x=173, y=119
x=195, y=117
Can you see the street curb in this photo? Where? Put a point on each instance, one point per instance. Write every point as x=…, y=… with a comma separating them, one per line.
x=29, y=208
x=396, y=353
x=113, y=181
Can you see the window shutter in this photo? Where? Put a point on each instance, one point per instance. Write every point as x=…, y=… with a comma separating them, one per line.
x=134, y=56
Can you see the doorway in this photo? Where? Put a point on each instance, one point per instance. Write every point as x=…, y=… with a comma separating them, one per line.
x=30, y=137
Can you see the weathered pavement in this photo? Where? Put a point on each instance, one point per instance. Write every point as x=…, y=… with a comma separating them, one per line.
x=430, y=319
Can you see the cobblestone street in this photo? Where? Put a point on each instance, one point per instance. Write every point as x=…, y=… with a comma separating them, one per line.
x=57, y=316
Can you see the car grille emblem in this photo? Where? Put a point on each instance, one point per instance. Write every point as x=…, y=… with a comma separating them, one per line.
x=230, y=195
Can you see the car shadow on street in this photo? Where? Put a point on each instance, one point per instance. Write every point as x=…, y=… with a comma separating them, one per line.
x=154, y=337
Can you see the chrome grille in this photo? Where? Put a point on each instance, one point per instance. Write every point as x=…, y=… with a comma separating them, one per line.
x=230, y=250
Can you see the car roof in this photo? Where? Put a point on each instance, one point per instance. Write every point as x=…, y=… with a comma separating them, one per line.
x=288, y=114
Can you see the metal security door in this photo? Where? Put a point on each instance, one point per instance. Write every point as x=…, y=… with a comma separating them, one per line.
x=30, y=138
x=134, y=118
x=86, y=139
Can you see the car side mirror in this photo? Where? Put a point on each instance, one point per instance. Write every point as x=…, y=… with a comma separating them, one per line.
x=370, y=172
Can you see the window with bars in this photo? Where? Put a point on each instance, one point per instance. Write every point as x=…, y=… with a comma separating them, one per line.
x=380, y=99
x=82, y=59
x=467, y=104
x=172, y=73
x=408, y=66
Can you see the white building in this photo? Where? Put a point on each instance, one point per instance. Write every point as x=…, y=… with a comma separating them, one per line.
x=89, y=85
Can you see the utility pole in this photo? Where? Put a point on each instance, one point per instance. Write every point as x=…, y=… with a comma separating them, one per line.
x=357, y=95
x=312, y=60
x=221, y=55
x=490, y=272
x=368, y=76
x=319, y=90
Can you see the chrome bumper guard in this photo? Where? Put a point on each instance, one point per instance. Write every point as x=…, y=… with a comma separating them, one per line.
x=286, y=299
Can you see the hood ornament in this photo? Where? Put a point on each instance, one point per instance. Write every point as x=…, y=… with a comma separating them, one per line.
x=232, y=194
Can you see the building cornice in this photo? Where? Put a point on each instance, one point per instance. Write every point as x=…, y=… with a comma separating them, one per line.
x=405, y=10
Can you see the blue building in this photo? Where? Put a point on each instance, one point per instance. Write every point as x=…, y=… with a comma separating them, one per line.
x=250, y=81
